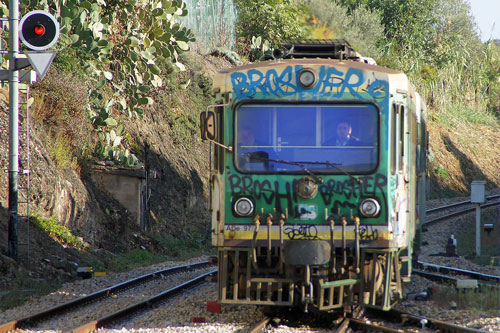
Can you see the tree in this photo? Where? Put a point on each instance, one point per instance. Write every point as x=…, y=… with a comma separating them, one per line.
x=358, y=25
x=121, y=44
x=272, y=20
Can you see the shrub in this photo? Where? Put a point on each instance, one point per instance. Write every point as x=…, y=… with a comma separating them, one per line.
x=58, y=232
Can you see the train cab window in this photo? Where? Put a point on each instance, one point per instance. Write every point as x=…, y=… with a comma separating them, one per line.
x=302, y=137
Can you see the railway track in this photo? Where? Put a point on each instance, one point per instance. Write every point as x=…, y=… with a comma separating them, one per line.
x=44, y=319
x=490, y=201
x=86, y=313
x=435, y=272
x=402, y=321
x=367, y=320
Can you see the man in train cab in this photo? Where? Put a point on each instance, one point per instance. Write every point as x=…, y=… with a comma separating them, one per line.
x=344, y=137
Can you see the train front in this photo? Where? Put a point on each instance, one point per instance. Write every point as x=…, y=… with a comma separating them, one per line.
x=301, y=201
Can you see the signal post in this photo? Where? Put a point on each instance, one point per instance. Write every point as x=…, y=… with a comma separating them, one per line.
x=39, y=32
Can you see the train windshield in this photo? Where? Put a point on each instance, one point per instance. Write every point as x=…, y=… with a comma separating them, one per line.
x=303, y=138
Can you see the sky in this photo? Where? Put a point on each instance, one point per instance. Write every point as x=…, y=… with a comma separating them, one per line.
x=487, y=13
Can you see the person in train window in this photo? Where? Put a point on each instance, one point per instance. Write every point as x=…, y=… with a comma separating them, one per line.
x=344, y=137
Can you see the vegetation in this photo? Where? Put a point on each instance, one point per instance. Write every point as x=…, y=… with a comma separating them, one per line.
x=360, y=26
x=123, y=47
x=58, y=232
x=484, y=301
x=272, y=20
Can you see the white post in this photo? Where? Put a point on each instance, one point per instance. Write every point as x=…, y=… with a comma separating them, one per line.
x=478, y=229
x=477, y=197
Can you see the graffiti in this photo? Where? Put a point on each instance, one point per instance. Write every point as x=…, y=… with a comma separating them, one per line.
x=331, y=83
x=262, y=190
x=301, y=232
x=368, y=233
x=367, y=186
x=336, y=194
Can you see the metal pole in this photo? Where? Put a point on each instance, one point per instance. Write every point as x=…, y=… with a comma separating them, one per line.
x=14, y=126
x=478, y=229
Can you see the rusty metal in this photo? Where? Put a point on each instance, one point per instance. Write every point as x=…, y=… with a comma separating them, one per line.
x=259, y=326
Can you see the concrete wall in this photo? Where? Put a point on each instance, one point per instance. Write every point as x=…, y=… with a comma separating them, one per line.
x=126, y=186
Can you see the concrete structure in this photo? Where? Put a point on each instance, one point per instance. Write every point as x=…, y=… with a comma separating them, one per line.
x=126, y=185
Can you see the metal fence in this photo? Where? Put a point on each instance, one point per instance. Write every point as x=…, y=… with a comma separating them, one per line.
x=212, y=22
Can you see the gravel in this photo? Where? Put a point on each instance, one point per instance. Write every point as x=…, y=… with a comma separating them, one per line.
x=188, y=313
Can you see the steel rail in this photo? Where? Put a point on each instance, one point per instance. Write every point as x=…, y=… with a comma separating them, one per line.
x=454, y=270
x=433, y=323
x=260, y=325
x=141, y=306
x=104, y=293
x=461, y=212
x=421, y=321
x=461, y=203
x=362, y=325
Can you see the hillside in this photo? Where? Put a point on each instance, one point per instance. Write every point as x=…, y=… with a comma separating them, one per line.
x=179, y=160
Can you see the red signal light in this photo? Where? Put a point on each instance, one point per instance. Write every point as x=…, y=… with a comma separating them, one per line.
x=39, y=30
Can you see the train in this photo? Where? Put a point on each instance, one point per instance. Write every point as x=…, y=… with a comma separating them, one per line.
x=317, y=179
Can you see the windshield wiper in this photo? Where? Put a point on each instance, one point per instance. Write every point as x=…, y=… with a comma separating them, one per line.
x=299, y=164
x=335, y=165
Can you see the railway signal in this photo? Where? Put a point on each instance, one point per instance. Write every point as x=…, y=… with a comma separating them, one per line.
x=39, y=30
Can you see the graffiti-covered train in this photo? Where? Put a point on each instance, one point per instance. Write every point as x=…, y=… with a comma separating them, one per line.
x=317, y=178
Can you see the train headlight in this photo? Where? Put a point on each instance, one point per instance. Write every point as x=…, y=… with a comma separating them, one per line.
x=307, y=78
x=369, y=207
x=244, y=207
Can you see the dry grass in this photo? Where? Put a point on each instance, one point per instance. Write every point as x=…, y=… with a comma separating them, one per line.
x=466, y=152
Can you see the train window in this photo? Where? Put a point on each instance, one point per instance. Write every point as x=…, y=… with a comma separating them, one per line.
x=394, y=139
x=302, y=137
x=401, y=135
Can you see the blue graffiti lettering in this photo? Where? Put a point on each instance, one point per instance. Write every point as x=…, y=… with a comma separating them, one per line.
x=331, y=82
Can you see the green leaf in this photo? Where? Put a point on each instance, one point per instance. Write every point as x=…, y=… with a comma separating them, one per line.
x=111, y=122
x=87, y=5
x=74, y=38
x=157, y=12
x=180, y=66
x=134, y=56
x=119, y=129
x=139, y=111
x=144, y=89
x=154, y=69
x=102, y=43
x=183, y=45
x=100, y=84
x=144, y=101
x=117, y=141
